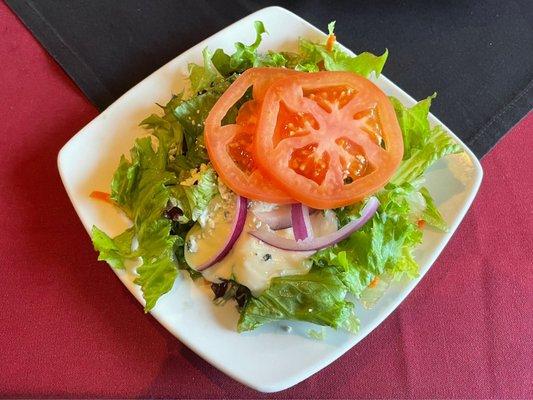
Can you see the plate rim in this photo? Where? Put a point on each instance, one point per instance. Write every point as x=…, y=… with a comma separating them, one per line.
x=364, y=330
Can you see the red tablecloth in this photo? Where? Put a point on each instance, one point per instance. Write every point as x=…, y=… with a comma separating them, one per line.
x=69, y=328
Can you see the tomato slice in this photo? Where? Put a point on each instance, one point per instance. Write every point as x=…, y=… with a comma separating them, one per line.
x=231, y=147
x=328, y=138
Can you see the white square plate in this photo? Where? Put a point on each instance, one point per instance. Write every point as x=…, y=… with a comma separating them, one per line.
x=269, y=359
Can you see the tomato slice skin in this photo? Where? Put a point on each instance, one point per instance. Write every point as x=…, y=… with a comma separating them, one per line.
x=231, y=147
x=340, y=162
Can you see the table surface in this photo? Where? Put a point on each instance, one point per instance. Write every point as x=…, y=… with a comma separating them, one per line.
x=69, y=328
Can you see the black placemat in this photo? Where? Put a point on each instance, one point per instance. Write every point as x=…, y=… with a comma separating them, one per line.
x=478, y=55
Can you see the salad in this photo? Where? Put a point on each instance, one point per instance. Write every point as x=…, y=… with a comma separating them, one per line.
x=289, y=181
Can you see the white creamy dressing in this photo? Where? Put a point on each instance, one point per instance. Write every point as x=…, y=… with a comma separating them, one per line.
x=251, y=262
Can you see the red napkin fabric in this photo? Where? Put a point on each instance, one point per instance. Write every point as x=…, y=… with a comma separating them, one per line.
x=68, y=328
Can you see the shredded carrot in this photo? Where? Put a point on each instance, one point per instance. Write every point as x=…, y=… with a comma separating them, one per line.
x=330, y=42
x=101, y=196
x=374, y=282
x=421, y=224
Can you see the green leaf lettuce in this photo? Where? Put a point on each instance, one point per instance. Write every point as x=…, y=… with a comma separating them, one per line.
x=317, y=297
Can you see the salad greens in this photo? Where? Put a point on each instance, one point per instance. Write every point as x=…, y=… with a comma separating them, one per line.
x=140, y=188
x=312, y=54
x=167, y=183
x=318, y=297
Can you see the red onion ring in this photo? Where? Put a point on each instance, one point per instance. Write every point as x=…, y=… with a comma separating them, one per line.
x=321, y=242
x=301, y=224
x=236, y=229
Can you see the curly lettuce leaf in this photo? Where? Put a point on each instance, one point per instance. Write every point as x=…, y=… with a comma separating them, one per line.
x=313, y=54
x=337, y=60
x=123, y=184
x=273, y=59
x=222, y=62
x=195, y=157
x=438, y=144
x=247, y=56
x=166, y=128
x=353, y=274
x=431, y=213
x=414, y=123
x=201, y=193
x=191, y=115
x=244, y=57
x=113, y=251
x=363, y=64
x=404, y=266
x=423, y=145
x=155, y=236
x=317, y=297
x=378, y=247
x=156, y=277
x=415, y=202
x=159, y=269
x=195, y=192
x=311, y=58
x=140, y=188
x=202, y=76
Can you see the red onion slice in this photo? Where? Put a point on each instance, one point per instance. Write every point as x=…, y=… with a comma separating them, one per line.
x=301, y=224
x=321, y=242
x=236, y=229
